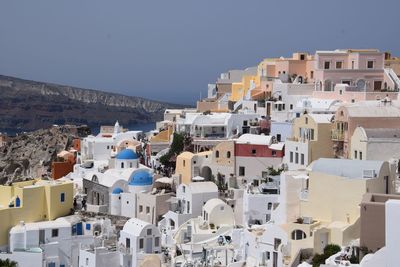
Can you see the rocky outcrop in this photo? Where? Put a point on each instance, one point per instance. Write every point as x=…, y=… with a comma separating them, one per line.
x=29, y=155
x=29, y=105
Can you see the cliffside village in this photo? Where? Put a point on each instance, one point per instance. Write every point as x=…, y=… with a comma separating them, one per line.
x=280, y=163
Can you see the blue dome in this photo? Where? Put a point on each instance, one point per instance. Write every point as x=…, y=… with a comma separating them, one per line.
x=126, y=154
x=117, y=191
x=141, y=178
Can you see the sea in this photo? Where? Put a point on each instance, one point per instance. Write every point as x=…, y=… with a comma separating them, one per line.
x=145, y=127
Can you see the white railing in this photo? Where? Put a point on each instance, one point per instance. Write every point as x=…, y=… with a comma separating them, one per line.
x=393, y=76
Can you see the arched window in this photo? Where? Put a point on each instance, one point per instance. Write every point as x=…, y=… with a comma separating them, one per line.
x=298, y=234
x=217, y=154
x=269, y=205
x=228, y=154
x=122, y=165
x=361, y=84
x=95, y=179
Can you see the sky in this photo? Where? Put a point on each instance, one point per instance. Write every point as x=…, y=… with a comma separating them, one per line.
x=169, y=50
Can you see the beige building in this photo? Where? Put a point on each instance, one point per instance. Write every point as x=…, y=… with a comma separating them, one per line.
x=310, y=140
x=372, y=220
x=375, y=143
x=330, y=213
x=224, y=163
x=151, y=206
x=189, y=165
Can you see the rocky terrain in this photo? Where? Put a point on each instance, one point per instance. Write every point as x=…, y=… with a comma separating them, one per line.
x=29, y=105
x=29, y=155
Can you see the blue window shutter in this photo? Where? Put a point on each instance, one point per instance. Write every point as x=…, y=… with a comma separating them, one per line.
x=88, y=226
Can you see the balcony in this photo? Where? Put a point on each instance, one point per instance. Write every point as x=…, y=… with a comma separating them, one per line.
x=337, y=135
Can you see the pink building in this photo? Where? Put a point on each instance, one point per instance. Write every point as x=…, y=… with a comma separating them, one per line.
x=353, y=75
x=367, y=114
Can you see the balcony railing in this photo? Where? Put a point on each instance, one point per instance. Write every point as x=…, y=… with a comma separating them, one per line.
x=337, y=135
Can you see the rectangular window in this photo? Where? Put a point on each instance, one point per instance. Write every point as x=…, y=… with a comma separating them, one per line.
x=355, y=154
x=148, y=210
x=54, y=232
x=370, y=64
x=149, y=231
x=140, y=208
x=128, y=243
x=241, y=171
x=339, y=64
x=346, y=82
x=311, y=134
x=297, y=158
x=360, y=155
x=141, y=243
x=253, y=151
x=291, y=157
x=184, y=163
x=312, y=74
x=62, y=197
x=302, y=159
x=88, y=226
x=327, y=65
x=156, y=241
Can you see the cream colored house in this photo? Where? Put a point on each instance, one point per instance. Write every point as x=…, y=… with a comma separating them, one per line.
x=374, y=144
x=330, y=213
x=310, y=140
x=189, y=165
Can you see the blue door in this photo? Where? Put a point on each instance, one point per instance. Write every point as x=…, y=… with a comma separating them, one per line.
x=79, y=229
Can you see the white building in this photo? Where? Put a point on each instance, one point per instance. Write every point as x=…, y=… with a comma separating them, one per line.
x=54, y=243
x=114, y=190
x=138, y=239
x=216, y=125
x=265, y=245
x=211, y=232
x=187, y=204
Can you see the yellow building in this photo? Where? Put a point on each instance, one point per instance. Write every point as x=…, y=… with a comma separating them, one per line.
x=189, y=165
x=163, y=136
x=392, y=63
x=311, y=140
x=239, y=90
x=32, y=201
x=329, y=208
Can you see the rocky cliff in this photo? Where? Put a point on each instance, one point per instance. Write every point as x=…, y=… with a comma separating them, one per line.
x=29, y=105
x=29, y=155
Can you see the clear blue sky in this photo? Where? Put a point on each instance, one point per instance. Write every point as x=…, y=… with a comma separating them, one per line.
x=171, y=49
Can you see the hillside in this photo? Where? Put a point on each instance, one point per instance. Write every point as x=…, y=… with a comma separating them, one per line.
x=30, y=105
x=29, y=155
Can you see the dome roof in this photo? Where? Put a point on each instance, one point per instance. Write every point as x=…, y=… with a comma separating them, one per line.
x=117, y=191
x=126, y=154
x=141, y=178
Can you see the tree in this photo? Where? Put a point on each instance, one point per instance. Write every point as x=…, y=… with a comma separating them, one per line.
x=175, y=149
x=329, y=250
x=8, y=263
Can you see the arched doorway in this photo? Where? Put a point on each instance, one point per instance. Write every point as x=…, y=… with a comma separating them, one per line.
x=206, y=173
